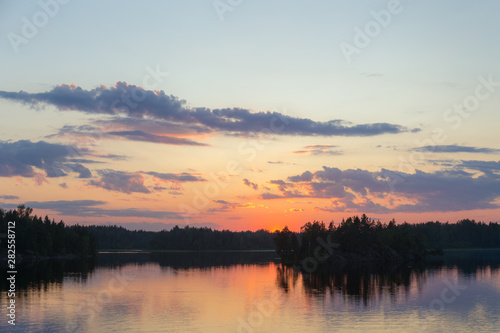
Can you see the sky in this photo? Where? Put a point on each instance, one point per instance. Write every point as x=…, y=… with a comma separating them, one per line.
x=243, y=115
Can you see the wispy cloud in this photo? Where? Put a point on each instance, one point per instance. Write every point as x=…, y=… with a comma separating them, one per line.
x=319, y=150
x=145, y=130
x=160, y=106
x=135, y=182
x=250, y=184
x=88, y=208
x=148, y=137
x=120, y=181
x=9, y=197
x=456, y=149
x=181, y=177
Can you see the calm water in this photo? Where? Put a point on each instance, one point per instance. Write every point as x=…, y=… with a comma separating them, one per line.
x=247, y=292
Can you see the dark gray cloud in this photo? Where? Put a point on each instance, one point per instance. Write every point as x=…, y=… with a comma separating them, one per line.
x=20, y=158
x=180, y=177
x=87, y=208
x=224, y=206
x=149, y=125
x=306, y=176
x=9, y=197
x=120, y=181
x=487, y=167
x=319, y=150
x=455, y=149
x=148, y=137
x=250, y=184
x=388, y=191
x=136, y=102
x=82, y=171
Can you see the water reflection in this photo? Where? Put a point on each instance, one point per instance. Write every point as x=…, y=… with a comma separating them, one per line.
x=42, y=274
x=468, y=262
x=186, y=260
x=351, y=280
x=371, y=281
x=213, y=292
x=362, y=282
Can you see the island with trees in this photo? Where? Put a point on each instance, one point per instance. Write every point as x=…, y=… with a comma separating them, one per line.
x=362, y=239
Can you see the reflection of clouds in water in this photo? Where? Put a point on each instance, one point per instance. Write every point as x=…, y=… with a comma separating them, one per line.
x=202, y=292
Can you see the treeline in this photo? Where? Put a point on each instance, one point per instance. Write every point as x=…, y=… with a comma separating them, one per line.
x=356, y=236
x=39, y=236
x=115, y=237
x=190, y=238
x=184, y=239
x=366, y=239
x=463, y=234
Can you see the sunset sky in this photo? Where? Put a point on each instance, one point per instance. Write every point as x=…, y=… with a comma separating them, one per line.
x=244, y=115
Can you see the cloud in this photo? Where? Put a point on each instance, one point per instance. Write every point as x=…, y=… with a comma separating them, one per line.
x=120, y=181
x=148, y=137
x=250, y=184
x=151, y=125
x=487, y=167
x=180, y=177
x=389, y=191
x=135, y=182
x=146, y=130
x=82, y=171
x=20, y=158
x=9, y=197
x=455, y=149
x=319, y=150
x=88, y=208
x=224, y=206
x=119, y=99
x=307, y=176
x=227, y=203
x=63, y=205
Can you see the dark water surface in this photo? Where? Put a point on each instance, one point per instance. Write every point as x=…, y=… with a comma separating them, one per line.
x=248, y=292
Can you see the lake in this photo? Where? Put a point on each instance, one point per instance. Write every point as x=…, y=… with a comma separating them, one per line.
x=249, y=292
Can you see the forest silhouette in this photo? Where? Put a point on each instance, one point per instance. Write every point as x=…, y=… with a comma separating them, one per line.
x=355, y=235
